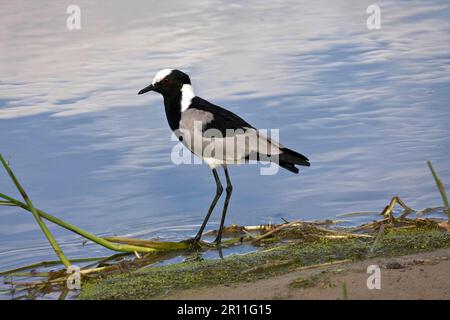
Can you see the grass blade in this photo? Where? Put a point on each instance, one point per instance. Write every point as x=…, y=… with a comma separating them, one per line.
x=441, y=188
x=36, y=215
x=81, y=232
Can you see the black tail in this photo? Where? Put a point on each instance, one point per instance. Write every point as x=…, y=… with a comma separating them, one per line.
x=289, y=158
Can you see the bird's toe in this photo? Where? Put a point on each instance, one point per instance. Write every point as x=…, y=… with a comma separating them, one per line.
x=193, y=243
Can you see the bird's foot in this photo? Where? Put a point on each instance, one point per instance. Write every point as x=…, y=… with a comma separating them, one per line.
x=194, y=243
x=217, y=241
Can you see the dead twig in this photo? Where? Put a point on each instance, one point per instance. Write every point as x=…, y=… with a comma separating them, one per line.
x=326, y=264
x=280, y=227
x=387, y=212
x=377, y=239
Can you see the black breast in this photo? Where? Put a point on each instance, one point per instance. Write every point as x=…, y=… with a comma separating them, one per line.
x=172, y=106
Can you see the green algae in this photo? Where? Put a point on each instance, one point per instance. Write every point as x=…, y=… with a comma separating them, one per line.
x=158, y=282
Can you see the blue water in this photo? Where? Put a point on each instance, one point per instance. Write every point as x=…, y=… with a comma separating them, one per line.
x=368, y=107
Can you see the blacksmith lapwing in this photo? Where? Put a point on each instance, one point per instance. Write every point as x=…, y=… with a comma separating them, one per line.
x=216, y=135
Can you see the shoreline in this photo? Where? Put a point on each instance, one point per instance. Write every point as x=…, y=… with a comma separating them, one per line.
x=260, y=275
x=420, y=276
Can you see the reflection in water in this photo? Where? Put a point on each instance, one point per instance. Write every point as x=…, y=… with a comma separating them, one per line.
x=367, y=107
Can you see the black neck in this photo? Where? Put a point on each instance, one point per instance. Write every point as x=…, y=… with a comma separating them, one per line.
x=172, y=105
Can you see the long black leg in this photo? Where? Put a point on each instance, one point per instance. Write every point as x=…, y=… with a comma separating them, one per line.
x=229, y=189
x=219, y=191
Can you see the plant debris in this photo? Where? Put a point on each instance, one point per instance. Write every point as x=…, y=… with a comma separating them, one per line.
x=326, y=237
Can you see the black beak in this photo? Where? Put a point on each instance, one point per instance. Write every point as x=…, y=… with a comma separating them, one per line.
x=146, y=89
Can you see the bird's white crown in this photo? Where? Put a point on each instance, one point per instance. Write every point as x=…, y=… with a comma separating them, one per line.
x=161, y=75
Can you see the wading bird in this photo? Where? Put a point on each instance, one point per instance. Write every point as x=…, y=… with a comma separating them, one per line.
x=216, y=135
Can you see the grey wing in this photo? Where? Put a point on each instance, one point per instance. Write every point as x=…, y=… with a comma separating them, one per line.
x=224, y=143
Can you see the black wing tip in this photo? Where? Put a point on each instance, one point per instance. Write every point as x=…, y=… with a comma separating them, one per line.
x=289, y=166
x=291, y=156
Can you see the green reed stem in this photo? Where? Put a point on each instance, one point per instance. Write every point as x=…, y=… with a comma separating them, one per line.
x=81, y=232
x=441, y=188
x=36, y=215
x=48, y=264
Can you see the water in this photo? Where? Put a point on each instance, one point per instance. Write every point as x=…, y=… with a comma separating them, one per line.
x=367, y=107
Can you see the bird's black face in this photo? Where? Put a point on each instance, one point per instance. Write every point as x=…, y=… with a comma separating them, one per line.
x=167, y=82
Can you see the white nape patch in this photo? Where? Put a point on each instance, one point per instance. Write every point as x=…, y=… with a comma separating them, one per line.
x=161, y=75
x=187, y=93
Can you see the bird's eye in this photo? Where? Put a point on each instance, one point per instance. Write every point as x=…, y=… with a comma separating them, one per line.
x=166, y=80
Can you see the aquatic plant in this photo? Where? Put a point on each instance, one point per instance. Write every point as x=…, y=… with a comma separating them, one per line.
x=316, y=233
x=441, y=189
